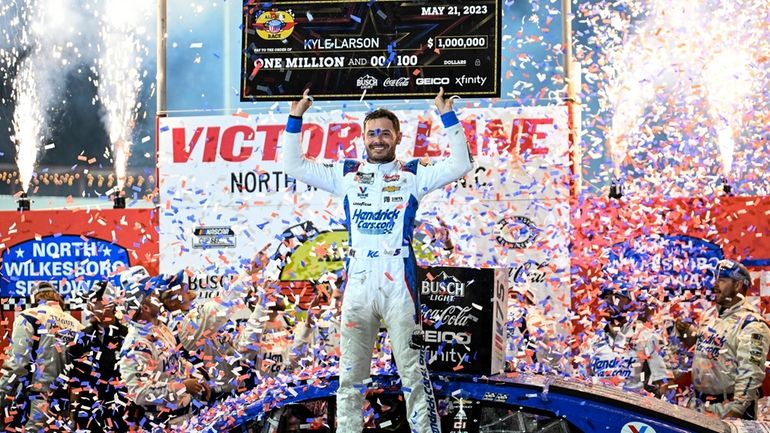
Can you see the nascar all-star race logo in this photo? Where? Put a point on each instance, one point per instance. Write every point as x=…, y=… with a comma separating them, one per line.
x=516, y=232
x=274, y=25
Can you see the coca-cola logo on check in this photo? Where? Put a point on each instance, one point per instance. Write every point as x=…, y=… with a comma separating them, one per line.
x=452, y=315
x=516, y=232
x=396, y=82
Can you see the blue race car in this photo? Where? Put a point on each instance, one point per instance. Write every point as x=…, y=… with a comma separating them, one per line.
x=471, y=404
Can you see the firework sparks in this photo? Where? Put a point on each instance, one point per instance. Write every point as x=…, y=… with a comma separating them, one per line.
x=677, y=88
x=36, y=55
x=27, y=121
x=118, y=69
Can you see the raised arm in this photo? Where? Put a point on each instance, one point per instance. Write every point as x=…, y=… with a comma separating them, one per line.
x=323, y=176
x=459, y=163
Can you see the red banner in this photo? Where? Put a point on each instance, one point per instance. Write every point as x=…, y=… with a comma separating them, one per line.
x=71, y=249
x=638, y=241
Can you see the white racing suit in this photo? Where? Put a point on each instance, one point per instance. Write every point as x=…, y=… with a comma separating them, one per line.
x=380, y=202
x=730, y=356
x=317, y=343
x=270, y=346
x=153, y=370
x=208, y=343
x=620, y=359
x=35, y=359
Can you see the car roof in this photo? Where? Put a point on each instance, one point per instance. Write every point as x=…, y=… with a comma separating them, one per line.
x=582, y=404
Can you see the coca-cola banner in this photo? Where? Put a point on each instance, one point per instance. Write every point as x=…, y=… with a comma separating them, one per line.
x=463, y=331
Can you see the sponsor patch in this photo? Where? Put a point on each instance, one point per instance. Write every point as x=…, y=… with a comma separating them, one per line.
x=211, y=237
x=391, y=178
x=391, y=188
x=375, y=223
x=365, y=178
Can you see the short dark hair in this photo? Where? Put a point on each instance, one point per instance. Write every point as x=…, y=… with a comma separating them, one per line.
x=381, y=113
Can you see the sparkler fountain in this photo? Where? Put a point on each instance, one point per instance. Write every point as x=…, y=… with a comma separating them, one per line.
x=729, y=84
x=118, y=71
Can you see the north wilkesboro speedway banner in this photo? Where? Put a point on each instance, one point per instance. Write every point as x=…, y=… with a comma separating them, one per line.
x=72, y=249
x=224, y=194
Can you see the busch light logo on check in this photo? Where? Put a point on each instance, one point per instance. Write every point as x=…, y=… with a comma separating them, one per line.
x=375, y=223
x=213, y=237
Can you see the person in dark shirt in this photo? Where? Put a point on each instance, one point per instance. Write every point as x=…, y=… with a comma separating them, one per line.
x=98, y=396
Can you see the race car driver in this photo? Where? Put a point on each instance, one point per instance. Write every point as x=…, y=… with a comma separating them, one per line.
x=380, y=196
x=730, y=347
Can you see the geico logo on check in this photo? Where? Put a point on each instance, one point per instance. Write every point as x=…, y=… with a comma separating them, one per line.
x=431, y=81
x=375, y=223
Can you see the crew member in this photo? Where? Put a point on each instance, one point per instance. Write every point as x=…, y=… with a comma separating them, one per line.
x=731, y=347
x=36, y=358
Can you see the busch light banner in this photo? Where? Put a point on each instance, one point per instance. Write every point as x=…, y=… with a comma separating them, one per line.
x=679, y=263
x=464, y=313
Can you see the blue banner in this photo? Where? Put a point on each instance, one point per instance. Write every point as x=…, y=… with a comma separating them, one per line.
x=72, y=263
x=677, y=263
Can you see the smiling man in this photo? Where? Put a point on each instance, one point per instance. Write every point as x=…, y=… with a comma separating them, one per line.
x=731, y=348
x=380, y=197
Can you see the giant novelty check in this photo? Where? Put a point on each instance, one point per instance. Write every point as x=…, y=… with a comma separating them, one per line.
x=372, y=49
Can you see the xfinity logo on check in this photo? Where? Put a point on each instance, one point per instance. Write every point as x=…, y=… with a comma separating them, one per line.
x=461, y=81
